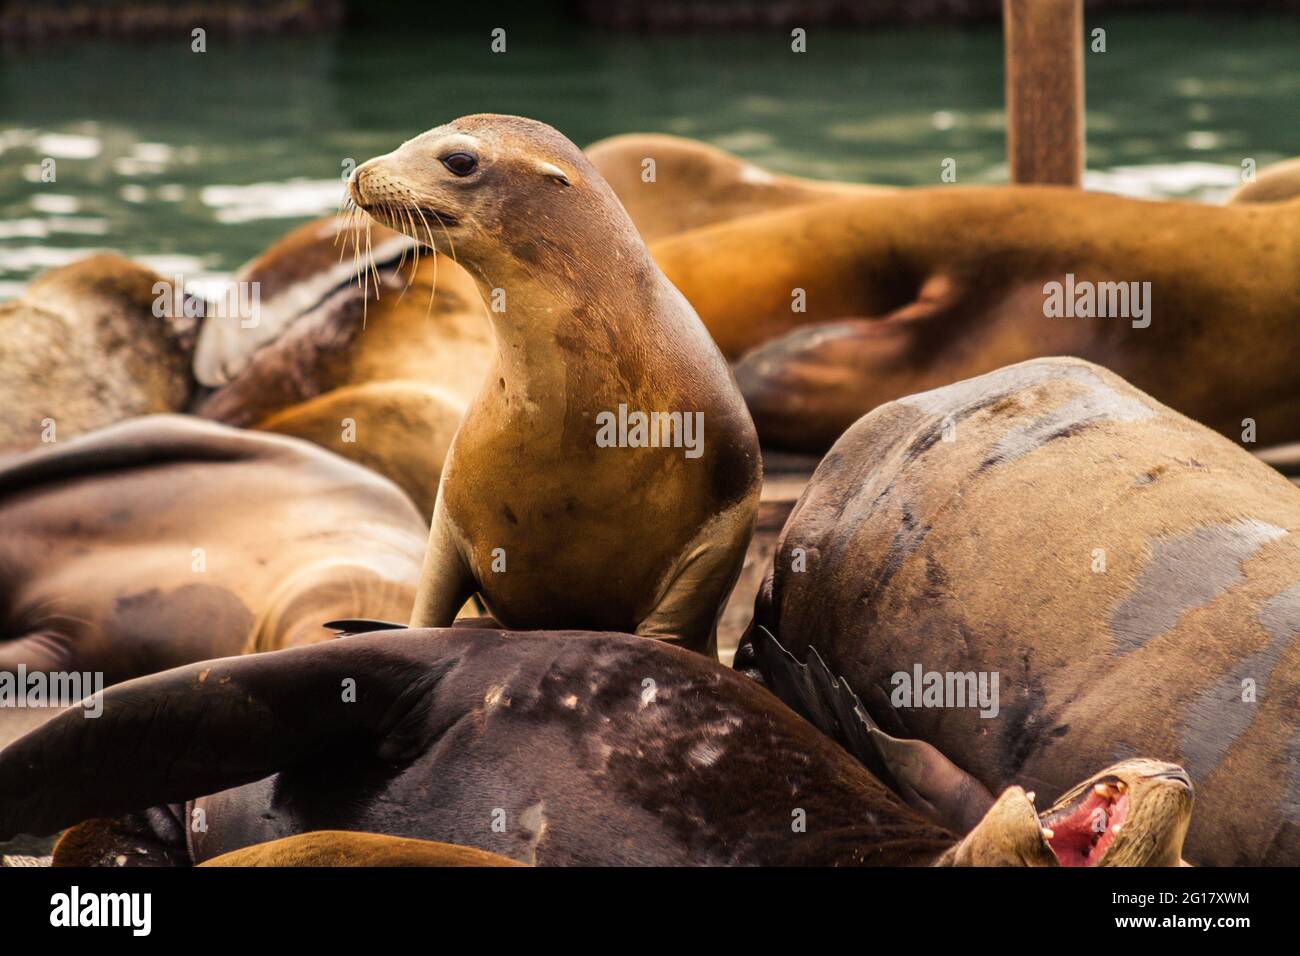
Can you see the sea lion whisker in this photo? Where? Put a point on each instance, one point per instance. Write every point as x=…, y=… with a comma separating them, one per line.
x=433, y=291
x=374, y=265
x=416, y=266
x=451, y=245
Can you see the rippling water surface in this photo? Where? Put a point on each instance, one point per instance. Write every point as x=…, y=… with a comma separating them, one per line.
x=195, y=162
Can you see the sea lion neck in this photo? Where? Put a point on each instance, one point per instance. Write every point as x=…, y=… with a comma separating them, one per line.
x=547, y=324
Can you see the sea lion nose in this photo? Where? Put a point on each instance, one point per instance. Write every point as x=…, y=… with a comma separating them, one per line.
x=356, y=183
x=1177, y=775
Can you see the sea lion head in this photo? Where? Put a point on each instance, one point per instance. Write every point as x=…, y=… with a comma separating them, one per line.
x=108, y=285
x=1134, y=813
x=484, y=184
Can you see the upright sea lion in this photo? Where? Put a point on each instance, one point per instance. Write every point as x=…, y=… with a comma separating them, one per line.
x=916, y=289
x=1130, y=579
x=166, y=540
x=550, y=748
x=687, y=184
x=1277, y=183
x=607, y=475
x=89, y=344
x=378, y=370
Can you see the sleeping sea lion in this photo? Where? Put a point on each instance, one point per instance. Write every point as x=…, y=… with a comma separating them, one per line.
x=1129, y=579
x=1277, y=183
x=550, y=748
x=378, y=370
x=165, y=540
x=692, y=184
x=916, y=289
x=342, y=848
x=607, y=474
x=89, y=344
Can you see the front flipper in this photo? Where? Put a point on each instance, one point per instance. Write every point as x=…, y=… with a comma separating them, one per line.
x=446, y=580
x=206, y=727
x=687, y=611
x=917, y=771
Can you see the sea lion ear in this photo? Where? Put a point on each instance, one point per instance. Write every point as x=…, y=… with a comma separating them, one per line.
x=210, y=726
x=551, y=171
x=1010, y=834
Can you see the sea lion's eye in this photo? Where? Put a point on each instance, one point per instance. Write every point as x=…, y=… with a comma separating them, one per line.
x=462, y=164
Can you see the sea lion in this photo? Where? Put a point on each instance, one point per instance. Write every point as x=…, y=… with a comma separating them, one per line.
x=378, y=370
x=916, y=289
x=1130, y=577
x=89, y=344
x=693, y=184
x=550, y=748
x=1277, y=183
x=570, y=497
x=165, y=540
x=341, y=848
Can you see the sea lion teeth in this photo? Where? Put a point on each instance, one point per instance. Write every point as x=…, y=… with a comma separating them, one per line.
x=1031, y=795
x=572, y=805
x=891, y=513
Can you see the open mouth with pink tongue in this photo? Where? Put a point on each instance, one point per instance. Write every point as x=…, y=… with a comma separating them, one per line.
x=1081, y=833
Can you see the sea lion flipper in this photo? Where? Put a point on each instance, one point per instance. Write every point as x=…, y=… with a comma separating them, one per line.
x=946, y=793
x=819, y=366
x=687, y=612
x=446, y=580
x=790, y=681
x=919, y=772
x=211, y=726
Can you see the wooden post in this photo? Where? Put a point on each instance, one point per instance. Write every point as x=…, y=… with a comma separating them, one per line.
x=1044, y=67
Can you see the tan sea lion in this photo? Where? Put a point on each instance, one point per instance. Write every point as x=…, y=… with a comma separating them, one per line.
x=378, y=370
x=85, y=346
x=576, y=493
x=166, y=540
x=552, y=748
x=920, y=288
x=341, y=848
x=693, y=184
x=1130, y=578
x=1277, y=183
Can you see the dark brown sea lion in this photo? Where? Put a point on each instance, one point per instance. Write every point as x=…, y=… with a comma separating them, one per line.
x=85, y=347
x=693, y=184
x=166, y=540
x=607, y=475
x=1130, y=578
x=341, y=848
x=378, y=370
x=544, y=747
x=916, y=289
x=1277, y=183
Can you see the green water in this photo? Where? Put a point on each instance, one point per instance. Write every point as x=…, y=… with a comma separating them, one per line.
x=194, y=162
